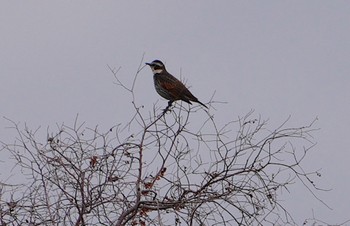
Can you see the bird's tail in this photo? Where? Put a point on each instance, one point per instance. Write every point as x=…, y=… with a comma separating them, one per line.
x=202, y=104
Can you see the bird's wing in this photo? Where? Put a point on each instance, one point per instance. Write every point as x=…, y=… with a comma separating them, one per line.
x=176, y=88
x=172, y=85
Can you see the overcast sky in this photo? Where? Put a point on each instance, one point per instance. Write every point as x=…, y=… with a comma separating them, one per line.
x=279, y=58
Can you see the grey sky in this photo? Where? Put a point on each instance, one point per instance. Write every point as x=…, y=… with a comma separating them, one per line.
x=276, y=57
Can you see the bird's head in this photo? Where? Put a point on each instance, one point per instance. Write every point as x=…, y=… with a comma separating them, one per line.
x=157, y=66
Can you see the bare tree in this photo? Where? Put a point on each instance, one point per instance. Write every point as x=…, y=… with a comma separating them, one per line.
x=157, y=169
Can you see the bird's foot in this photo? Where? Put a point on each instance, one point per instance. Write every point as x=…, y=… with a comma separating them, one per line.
x=167, y=107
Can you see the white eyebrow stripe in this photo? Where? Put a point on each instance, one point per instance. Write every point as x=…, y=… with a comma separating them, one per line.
x=157, y=71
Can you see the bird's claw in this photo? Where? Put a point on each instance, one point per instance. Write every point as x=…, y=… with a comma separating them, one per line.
x=166, y=109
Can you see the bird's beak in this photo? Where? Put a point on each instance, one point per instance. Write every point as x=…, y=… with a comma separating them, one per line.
x=149, y=64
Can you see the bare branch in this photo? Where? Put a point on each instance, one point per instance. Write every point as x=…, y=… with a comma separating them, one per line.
x=157, y=169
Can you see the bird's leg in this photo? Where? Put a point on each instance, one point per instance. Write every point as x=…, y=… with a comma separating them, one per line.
x=167, y=107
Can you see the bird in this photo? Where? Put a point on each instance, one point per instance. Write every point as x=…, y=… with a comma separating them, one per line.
x=169, y=87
